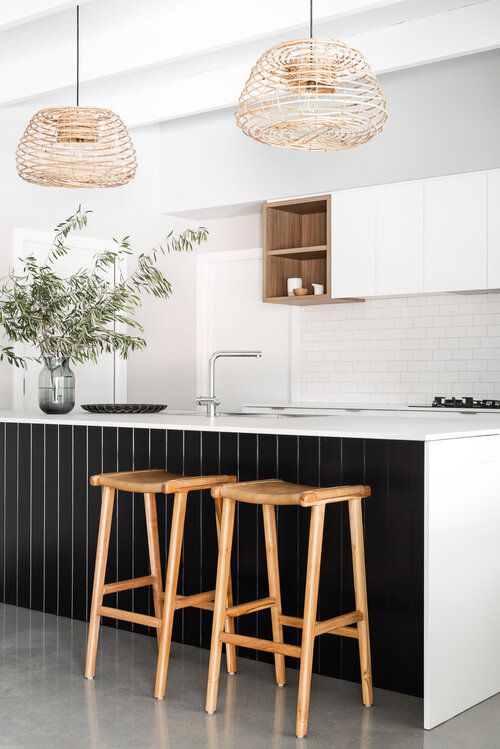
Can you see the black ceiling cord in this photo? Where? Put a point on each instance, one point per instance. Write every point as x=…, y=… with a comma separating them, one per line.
x=311, y=18
x=77, y=55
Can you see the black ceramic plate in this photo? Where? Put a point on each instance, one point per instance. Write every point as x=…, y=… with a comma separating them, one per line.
x=123, y=408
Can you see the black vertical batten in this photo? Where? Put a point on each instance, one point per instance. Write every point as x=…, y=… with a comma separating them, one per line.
x=209, y=465
x=46, y=532
x=65, y=470
x=24, y=517
x=80, y=525
x=2, y=511
x=175, y=464
x=124, y=504
x=49, y=519
x=192, y=534
x=141, y=596
x=11, y=512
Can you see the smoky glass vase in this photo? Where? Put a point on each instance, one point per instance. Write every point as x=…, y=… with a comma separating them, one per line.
x=56, y=386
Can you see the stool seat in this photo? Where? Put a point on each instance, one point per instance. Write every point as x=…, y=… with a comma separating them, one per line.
x=156, y=481
x=277, y=492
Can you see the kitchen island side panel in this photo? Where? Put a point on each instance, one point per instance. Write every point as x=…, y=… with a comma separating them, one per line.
x=51, y=466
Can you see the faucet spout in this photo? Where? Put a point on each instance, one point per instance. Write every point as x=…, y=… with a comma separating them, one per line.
x=210, y=401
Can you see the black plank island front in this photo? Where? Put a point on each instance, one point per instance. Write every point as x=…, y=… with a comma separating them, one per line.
x=49, y=519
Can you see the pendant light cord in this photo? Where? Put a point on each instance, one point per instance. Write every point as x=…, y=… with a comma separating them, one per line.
x=311, y=18
x=77, y=55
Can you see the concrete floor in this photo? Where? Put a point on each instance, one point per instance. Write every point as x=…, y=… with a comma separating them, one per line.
x=45, y=701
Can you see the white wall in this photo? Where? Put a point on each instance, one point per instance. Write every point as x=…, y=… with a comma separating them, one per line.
x=443, y=119
x=165, y=371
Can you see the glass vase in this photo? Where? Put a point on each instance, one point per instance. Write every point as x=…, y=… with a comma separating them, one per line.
x=56, y=386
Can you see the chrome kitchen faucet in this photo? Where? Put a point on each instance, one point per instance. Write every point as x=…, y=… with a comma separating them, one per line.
x=210, y=401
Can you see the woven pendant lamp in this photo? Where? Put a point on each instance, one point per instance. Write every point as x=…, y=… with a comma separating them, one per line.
x=312, y=95
x=76, y=146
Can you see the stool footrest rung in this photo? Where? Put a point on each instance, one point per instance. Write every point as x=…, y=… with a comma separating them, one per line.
x=129, y=616
x=255, y=643
x=134, y=582
x=336, y=626
x=198, y=600
x=251, y=606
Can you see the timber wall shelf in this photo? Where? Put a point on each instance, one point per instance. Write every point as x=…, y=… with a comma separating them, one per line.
x=297, y=244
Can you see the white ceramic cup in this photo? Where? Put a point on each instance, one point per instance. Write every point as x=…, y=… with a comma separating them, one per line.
x=293, y=283
x=318, y=288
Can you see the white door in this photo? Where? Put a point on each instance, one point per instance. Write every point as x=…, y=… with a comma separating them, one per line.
x=400, y=239
x=104, y=382
x=353, y=243
x=494, y=229
x=232, y=316
x=455, y=246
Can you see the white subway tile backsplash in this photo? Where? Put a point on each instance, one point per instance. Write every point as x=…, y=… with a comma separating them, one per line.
x=400, y=350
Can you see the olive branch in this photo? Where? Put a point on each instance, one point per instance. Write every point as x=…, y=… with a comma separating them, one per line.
x=84, y=315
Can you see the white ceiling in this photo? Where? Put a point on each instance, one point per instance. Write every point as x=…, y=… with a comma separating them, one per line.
x=138, y=54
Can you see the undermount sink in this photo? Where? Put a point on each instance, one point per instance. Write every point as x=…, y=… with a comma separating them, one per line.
x=267, y=415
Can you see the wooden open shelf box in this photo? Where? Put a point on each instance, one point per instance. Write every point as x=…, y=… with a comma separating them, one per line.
x=297, y=243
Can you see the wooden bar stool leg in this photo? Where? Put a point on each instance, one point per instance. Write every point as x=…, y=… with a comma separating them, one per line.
x=273, y=575
x=172, y=577
x=231, y=663
x=108, y=498
x=223, y=571
x=310, y=612
x=358, y=562
x=154, y=551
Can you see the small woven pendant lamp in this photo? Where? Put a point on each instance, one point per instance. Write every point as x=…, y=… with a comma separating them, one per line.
x=312, y=95
x=76, y=146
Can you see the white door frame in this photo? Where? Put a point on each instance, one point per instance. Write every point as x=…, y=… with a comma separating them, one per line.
x=19, y=237
x=204, y=346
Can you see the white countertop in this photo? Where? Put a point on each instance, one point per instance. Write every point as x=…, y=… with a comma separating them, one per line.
x=424, y=428
x=309, y=406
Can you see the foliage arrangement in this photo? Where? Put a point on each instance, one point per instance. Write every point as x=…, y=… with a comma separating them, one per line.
x=83, y=315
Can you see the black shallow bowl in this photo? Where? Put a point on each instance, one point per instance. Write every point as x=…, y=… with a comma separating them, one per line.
x=123, y=408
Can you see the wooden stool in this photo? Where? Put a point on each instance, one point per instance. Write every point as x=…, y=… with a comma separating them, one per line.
x=150, y=483
x=270, y=493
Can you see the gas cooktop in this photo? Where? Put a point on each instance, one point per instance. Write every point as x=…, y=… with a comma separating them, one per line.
x=441, y=401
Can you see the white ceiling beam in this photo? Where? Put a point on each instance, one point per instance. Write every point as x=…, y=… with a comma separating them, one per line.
x=176, y=34
x=462, y=32
x=23, y=11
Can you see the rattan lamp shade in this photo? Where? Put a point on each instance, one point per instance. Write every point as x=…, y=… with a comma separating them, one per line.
x=312, y=95
x=76, y=147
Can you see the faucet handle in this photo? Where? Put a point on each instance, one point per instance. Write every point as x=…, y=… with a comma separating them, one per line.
x=206, y=400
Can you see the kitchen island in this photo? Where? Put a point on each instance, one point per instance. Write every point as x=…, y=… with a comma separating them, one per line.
x=431, y=526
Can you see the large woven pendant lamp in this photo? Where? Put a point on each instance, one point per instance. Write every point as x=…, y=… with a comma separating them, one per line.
x=312, y=95
x=76, y=146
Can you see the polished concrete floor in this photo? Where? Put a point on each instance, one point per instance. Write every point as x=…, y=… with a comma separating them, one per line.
x=45, y=701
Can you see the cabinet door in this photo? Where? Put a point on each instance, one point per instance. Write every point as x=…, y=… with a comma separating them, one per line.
x=494, y=229
x=455, y=233
x=353, y=243
x=400, y=239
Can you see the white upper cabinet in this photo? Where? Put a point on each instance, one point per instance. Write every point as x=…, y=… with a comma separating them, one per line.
x=426, y=236
x=494, y=229
x=399, y=239
x=353, y=243
x=455, y=233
